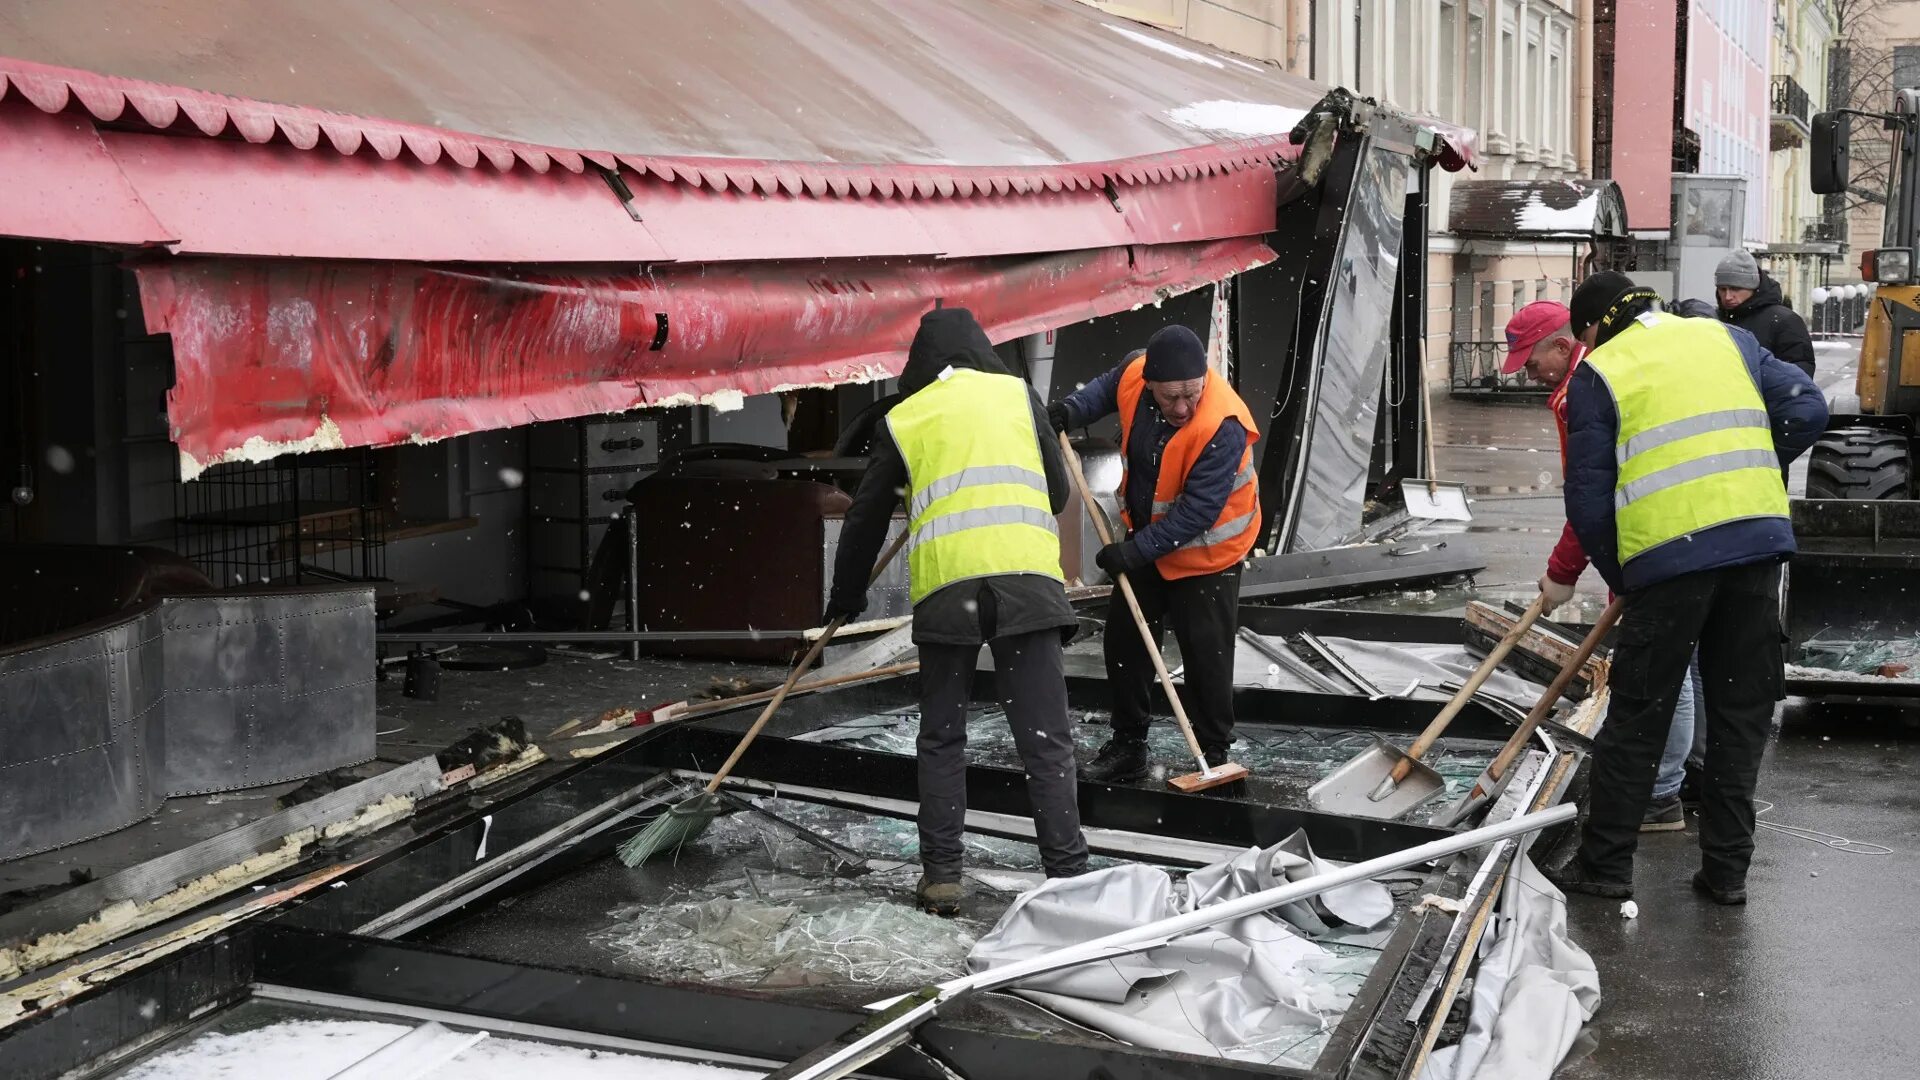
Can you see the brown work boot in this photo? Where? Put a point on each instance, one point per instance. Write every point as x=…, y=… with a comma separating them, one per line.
x=940, y=898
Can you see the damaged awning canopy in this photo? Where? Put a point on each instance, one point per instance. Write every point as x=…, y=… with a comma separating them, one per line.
x=362, y=235
x=281, y=356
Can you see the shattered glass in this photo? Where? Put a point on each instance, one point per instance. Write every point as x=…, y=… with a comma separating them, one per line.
x=1863, y=656
x=1287, y=757
x=786, y=913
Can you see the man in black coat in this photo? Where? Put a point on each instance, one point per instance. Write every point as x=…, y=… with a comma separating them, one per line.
x=1751, y=300
x=1022, y=616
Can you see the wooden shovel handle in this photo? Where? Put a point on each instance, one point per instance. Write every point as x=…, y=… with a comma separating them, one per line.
x=1105, y=533
x=1548, y=700
x=800, y=669
x=1468, y=689
x=705, y=708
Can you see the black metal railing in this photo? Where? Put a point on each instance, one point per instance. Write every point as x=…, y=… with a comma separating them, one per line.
x=1790, y=99
x=1840, y=314
x=1474, y=371
x=1817, y=230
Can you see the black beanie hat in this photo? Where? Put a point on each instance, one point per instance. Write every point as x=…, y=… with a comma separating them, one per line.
x=1594, y=296
x=1175, y=354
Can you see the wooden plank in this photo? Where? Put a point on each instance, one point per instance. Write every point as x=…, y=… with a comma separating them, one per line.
x=1541, y=652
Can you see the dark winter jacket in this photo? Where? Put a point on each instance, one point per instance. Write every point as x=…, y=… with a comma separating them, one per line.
x=1777, y=328
x=965, y=612
x=1795, y=410
x=1208, y=484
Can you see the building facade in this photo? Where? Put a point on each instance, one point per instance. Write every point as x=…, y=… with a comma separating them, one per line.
x=1801, y=242
x=1277, y=31
x=1514, y=70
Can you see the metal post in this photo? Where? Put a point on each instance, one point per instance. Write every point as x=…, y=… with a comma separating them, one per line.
x=633, y=580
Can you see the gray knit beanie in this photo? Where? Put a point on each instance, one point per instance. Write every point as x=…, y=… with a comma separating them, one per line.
x=1737, y=271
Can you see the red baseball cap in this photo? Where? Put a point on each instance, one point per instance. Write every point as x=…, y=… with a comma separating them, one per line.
x=1529, y=327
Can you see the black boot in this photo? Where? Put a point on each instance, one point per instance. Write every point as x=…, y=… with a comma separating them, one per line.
x=1217, y=755
x=1121, y=761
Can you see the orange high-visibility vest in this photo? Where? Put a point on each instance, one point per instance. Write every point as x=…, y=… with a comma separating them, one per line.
x=1232, y=534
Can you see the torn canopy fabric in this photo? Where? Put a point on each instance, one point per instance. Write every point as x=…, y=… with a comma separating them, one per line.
x=284, y=356
x=1259, y=988
x=1534, y=990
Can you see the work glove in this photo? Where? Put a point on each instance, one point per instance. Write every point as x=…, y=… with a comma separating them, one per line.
x=1060, y=417
x=1556, y=593
x=1117, y=559
x=840, y=607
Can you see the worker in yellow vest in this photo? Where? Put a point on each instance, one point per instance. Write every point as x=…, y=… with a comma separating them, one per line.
x=1192, y=510
x=969, y=449
x=1676, y=433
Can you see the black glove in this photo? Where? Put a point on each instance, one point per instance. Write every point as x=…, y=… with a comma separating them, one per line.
x=839, y=607
x=1117, y=559
x=1060, y=417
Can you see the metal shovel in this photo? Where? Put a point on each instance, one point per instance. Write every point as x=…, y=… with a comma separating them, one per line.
x=1384, y=781
x=1487, y=786
x=1429, y=498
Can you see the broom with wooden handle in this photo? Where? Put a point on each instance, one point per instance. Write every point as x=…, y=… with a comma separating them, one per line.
x=687, y=819
x=1209, y=775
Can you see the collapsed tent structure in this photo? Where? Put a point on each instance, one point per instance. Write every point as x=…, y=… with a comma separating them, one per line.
x=467, y=333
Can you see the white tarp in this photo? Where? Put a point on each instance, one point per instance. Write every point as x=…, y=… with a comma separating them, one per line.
x=1251, y=989
x=1534, y=990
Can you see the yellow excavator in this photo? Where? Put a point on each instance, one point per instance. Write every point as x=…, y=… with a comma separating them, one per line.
x=1853, y=595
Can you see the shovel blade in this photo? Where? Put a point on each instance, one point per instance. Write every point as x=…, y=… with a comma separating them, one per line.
x=1349, y=789
x=1435, y=502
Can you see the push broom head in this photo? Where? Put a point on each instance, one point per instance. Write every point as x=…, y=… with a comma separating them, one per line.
x=681, y=823
x=1225, y=773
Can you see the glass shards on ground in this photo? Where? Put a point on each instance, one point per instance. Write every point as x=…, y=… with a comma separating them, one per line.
x=1272, y=752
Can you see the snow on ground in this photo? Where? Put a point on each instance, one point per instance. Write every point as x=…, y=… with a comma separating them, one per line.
x=318, y=1049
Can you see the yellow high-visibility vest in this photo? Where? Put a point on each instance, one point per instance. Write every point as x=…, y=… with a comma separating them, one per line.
x=1695, y=448
x=977, y=501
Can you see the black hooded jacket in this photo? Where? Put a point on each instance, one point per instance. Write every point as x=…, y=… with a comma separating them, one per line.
x=1776, y=326
x=966, y=612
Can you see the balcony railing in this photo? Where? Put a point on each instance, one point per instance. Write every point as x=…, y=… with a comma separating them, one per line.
x=1787, y=127
x=1475, y=372
x=1790, y=99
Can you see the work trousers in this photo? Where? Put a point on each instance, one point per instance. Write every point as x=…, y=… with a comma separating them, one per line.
x=1202, y=612
x=1033, y=688
x=1733, y=617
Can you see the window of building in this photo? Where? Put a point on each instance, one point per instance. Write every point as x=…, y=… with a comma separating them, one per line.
x=1506, y=85
x=1368, y=72
x=1448, y=88
x=1906, y=66
x=1474, y=111
x=1403, y=63
x=1556, y=104
x=1533, y=130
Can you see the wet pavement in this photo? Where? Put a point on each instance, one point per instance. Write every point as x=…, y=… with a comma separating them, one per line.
x=1815, y=976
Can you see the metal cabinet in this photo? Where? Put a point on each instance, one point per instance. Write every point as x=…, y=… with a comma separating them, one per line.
x=578, y=476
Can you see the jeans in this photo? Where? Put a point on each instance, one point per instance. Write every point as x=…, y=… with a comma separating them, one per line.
x=1673, y=759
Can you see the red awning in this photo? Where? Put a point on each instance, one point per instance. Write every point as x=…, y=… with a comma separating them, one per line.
x=220, y=197
x=744, y=129
x=273, y=357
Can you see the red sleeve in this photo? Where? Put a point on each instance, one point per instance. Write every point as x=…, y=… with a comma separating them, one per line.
x=1568, y=560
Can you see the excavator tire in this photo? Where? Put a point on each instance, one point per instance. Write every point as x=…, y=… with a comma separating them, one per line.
x=1859, y=463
